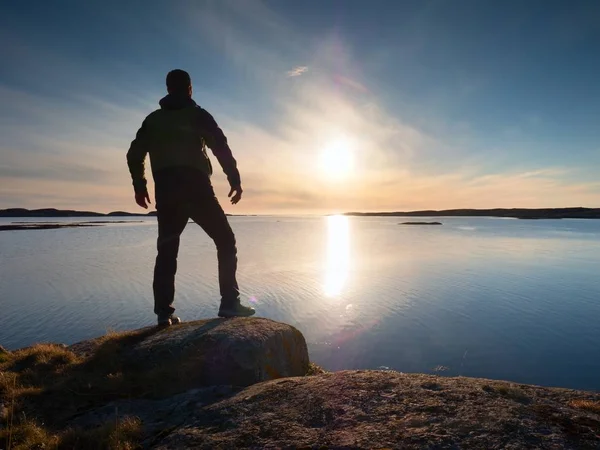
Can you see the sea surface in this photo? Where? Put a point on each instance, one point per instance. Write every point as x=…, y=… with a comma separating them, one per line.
x=508, y=299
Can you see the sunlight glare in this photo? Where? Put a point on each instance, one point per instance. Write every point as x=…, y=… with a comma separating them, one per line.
x=336, y=159
x=338, y=255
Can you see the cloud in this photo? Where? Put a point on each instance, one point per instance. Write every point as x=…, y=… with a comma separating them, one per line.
x=400, y=165
x=72, y=153
x=297, y=71
x=69, y=152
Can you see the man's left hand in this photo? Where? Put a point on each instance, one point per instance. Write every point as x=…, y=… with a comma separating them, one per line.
x=141, y=198
x=235, y=194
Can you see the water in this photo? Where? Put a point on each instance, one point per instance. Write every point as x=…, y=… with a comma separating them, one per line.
x=495, y=298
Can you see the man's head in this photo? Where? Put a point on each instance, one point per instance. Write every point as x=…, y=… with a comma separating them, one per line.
x=179, y=82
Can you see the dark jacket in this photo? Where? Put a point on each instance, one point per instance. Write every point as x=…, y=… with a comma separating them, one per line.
x=176, y=135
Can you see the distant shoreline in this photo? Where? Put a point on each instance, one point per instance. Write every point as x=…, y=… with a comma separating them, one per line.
x=513, y=213
x=52, y=212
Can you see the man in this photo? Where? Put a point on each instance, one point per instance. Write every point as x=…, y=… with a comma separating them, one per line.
x=175, y=136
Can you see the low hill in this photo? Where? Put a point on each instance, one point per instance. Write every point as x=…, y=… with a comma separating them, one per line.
x=516, y=213
x=52, y=212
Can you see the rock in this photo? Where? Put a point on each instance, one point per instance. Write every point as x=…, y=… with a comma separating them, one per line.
x=366, y=409
x=211, y=393
x=420, y=223
x=156, y=415
x=373, y=409
x=237, y=352
x=3, y=350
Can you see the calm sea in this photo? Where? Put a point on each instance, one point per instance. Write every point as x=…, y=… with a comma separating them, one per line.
x=496, y=298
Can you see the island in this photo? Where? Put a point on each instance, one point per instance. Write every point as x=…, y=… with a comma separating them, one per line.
x=420, y=223
x=44, y=226
x=22, y=226
x=514, y=213
x=53, y=212
x=248, y=383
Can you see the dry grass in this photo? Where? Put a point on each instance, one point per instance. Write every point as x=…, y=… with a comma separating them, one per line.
x=122, y=435
x=27, y=435
x=51, y=372
x=36, y=366
x=587, y=405
x=509, y=391
x=47, y=384
x=314, y=369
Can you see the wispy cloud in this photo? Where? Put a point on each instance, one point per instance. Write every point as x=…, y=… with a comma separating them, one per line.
x=297, y=71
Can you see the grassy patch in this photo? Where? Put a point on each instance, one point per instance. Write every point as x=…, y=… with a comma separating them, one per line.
x=27, y=434
x=314, y=369
x=587, y=405
x=47, y=384
x=509, y=391
x=121, y=435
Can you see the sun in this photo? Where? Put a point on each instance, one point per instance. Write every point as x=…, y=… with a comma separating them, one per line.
x=336, y=159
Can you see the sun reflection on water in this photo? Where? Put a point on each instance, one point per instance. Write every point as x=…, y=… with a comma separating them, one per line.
x=338, y=255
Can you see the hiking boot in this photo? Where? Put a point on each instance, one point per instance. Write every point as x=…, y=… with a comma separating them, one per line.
x=235, y=309
x=165, y=321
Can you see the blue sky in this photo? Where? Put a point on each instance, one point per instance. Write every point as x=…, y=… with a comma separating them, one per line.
x=425, y=104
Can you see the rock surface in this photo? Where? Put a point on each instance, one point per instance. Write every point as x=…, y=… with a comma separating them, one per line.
x=368, y=409
x=237, y=352
x=239, y=383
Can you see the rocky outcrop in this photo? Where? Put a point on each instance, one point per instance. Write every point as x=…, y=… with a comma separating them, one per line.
x=237, y=352
x=241, y=383
x=368, y=409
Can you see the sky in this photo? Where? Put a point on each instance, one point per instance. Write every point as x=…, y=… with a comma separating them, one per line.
x=328, y=105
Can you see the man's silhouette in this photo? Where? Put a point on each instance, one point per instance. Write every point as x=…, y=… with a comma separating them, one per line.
x=175, y=136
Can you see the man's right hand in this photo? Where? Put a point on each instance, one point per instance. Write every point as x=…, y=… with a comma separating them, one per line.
x=235, y=194
x=141, y=198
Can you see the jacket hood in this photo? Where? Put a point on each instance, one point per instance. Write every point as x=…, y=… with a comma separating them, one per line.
x=176, y=102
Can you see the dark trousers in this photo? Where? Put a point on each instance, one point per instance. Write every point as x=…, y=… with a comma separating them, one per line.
x=182, y=194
